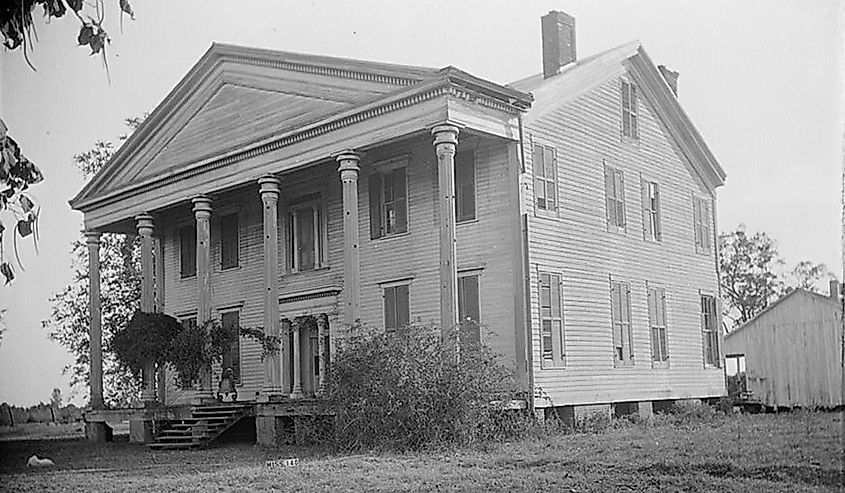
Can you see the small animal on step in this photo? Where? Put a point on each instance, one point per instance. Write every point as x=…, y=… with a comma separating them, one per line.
x=34, y=461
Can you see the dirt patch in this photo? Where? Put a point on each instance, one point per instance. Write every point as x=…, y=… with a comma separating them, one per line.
x=810, y=475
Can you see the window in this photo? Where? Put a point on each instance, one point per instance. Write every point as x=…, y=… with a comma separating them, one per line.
x=229, y=241
x=232, y=355
x=388, y=203
x=187, y=323
x=306, y=234
x=709, y=330
x=551, y=319
x=396, y=307
x=701, y=221
x=465, y=186
x=468, y=309
x=188, y=251
x=629, y=110
x=651, y=211
x=614, y=187
x=657, y=323
x=620, y=313
x=545, y=178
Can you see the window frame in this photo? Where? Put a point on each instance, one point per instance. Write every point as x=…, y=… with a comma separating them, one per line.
x=237, y=240
x=630, y=113
x=395, y=285
x=462, y=216
x=702, y=224
x=192, y=234
x=616, y=202
x=378, y=206
x=239, y=369
x=538, y=155
x=652, y=216
x=555, y=356
x=315, y=204
x=710, y=351
x=619, y=352
x=659, y=355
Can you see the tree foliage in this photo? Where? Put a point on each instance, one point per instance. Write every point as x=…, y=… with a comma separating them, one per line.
x=120, y=289
x=748, y=265
x=18, y=28
x=808, y=275
x=17, y=174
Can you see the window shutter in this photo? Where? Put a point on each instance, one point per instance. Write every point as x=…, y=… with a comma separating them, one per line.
x=375, y=206
x=627, y=313
x=550, y=166
x=390, y=308
x=658, y=230
x=696, y=219
x=705, y=225
x=615, y=315
x=400, y=189
x=633, y=103
x=609, y=196
x=644, y=191
x=403, y=309
x=620, y=199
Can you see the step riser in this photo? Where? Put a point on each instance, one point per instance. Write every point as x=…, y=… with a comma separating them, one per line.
x=204, y=426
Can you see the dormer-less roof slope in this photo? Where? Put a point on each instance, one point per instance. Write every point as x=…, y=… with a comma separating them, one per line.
x=579, y=77
x=257, y=100
x=826, y=300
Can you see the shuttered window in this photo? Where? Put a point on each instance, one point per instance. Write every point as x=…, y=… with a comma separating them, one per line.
x=545, y=177
x=188, y=251
x=187, y=323
x=551, y=320
x=465, y=186
x=229, y=241
x=469, y=310
x=232, y=354
x=630, y=124
x=396, y=307
x=709, y=331
x=651, y=210
x=306, y=235
x=614, y=188
x=620, y=313
x=701, y=223
x=657, y=323
x=388, y=202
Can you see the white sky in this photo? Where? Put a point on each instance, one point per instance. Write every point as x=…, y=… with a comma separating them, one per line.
x=762, y=81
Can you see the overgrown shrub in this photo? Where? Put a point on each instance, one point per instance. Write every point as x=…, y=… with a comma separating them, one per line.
x=146, y=338
x=414, y=388
x=690, y=413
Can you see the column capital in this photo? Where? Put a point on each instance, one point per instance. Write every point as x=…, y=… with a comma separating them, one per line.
x=145, y=224
x=202, y=205
x=269, y=185
x=92, y=237
x=445, y=133
x=348, y=165
x=348, y=155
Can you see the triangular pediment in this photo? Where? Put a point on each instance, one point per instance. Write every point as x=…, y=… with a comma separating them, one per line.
x=234, y=97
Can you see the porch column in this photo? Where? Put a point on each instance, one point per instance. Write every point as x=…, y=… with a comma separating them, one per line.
x=202, y=213
x=270, y=190
x=322, y=334
x=296, y=393
x=158, y=262
x=445, y=143
x=146, y=225
x=349, y=170
x=92, y=238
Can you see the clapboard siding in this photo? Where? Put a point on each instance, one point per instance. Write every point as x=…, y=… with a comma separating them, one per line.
x=793, y=352
x=485, y=244
x=576, y=243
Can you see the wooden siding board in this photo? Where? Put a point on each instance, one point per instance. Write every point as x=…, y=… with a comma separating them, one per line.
x=577, y=243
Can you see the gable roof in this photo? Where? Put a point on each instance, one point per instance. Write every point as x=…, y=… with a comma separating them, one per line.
x=264, y=97
x=577, y=78
x=795, y=292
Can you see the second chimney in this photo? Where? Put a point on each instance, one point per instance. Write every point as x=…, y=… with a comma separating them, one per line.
x=558, y=41
x=671, y=78
x=834, y=289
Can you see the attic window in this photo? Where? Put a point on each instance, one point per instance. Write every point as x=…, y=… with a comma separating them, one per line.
x=630, y=126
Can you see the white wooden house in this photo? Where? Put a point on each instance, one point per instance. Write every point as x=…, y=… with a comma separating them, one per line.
x=571, y=213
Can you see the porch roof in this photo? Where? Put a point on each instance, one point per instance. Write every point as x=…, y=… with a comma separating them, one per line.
x=243, y=112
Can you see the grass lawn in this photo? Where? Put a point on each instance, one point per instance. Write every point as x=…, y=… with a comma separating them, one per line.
x=798, y=451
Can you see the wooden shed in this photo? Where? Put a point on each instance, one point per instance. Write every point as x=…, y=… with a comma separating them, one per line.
x=794, y=351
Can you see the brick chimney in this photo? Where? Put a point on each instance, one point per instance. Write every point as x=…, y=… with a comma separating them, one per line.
x=671, y=78
x=834, y=289
x=558, y=30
